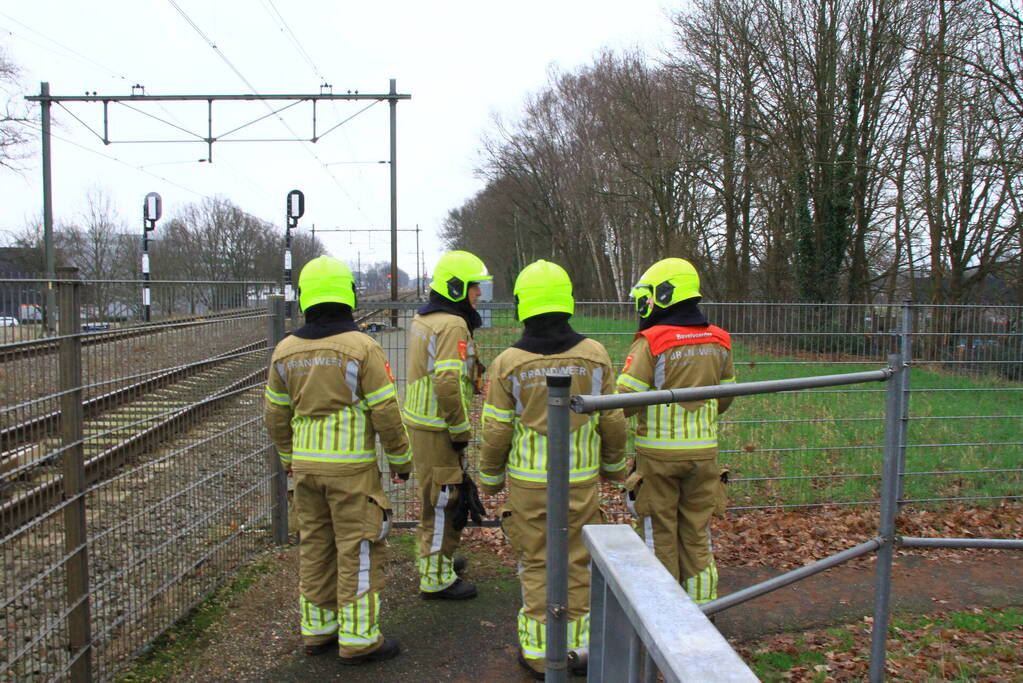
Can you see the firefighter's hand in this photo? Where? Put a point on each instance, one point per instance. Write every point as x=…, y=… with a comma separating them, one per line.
x=399, y=477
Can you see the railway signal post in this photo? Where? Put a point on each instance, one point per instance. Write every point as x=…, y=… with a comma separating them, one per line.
x=295, y=209
x=152, y=208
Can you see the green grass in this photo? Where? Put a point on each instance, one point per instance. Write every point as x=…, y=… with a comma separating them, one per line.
x=957, y=646
x=772, y=665
x=164, y=657
x=823, y=436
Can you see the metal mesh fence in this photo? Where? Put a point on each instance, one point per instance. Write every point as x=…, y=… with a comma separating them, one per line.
x=823, y=446
x=177, y=468
x=174, y=470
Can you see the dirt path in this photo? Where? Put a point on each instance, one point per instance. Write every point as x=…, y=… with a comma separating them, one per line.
x=476, y=640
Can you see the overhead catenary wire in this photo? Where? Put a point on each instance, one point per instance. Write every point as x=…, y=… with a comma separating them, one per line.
x=275, y=14
x=278, y=18
x=70, y=53
x=119, y=161
x=252, y=88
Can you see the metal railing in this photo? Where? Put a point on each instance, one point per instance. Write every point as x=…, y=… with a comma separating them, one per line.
x=884, y=544
x=642, y=622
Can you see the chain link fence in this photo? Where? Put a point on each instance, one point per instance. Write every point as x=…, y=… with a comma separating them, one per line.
x=119, y=519
x=135, y=472
x=822, y=447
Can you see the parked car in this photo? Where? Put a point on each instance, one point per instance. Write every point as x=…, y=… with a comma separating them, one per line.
x=8, y=321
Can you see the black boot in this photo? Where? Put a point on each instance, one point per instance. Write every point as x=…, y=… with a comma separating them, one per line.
x=329, y=646
x=389, y=649
x=459, y=590
x=460, y=565
x=530, y=671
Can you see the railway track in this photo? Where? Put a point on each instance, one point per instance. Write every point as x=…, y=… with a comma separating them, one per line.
x=118, y=426
x=48, y=345
x=122, y=424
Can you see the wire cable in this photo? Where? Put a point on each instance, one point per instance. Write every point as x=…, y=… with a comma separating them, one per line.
x=38, y=128
x=275, y=14
x=252, y=88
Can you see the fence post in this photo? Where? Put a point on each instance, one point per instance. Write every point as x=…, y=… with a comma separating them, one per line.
x=558, y=387
x=278, y=480
x=886, y=529
x=76, y=569
x=906, y=351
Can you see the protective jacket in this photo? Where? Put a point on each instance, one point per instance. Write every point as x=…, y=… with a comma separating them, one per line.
x=442, y=373
x=515, y=418
x=672, y=357
x=515, y=444
x=677, y=484
x=327, y=399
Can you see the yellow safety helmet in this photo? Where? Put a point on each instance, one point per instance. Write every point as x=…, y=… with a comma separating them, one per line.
x=664, y=284
x=455, y=271
x=543, y=287
x=325, y=279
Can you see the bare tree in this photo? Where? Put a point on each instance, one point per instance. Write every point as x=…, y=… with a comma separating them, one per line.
x=13, y=119
x=94, y=246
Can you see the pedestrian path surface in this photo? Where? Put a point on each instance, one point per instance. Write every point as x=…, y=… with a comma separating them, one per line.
x=476, y=640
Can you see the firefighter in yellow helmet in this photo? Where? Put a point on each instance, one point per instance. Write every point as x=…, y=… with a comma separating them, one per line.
x=328, y=395
x=515, y=446
x=677, y=484
x=443, y=373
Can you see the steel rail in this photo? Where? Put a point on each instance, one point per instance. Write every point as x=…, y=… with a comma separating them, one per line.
x=35, y=428
x=39, y=347
x=38, y=500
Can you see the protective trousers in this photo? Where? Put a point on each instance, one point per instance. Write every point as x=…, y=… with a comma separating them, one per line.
x=524, y=521
x=343, y=520
x=438, y=472
x=674, y=503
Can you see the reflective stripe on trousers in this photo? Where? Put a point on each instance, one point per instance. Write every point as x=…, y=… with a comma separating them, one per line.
x=359, y=619
x=533, y=635
x=316, y=621
x=704, y=586
x=436, y=572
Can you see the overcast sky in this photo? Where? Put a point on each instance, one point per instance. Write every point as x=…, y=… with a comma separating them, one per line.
x=462, y=62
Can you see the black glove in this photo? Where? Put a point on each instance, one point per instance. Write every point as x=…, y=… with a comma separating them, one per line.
x=469, y=505
x=403, y=475
x=459, y=446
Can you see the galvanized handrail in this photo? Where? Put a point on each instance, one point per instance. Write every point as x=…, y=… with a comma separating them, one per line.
x=635, y=588
x=631, y=595
x=589, y=404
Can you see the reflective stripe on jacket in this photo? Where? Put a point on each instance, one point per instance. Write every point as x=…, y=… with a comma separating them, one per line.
x=673, y=357
x=441, y=373
x=515, y=417
x=327, y=399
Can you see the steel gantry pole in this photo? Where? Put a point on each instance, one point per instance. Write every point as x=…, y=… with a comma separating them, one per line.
x=51, y=272
x=394, y=199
